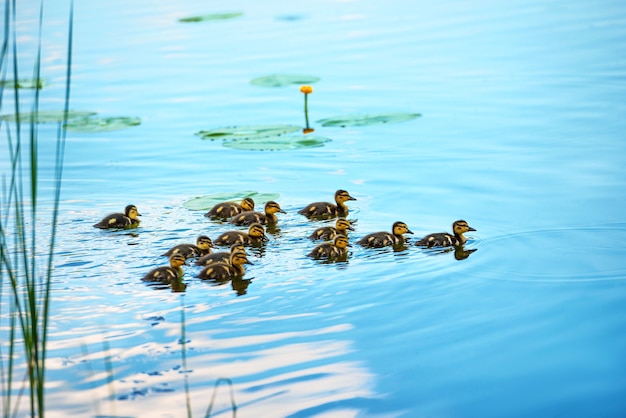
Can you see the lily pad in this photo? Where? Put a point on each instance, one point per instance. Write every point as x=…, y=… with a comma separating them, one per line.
x=49, y=116
x=24, y=84
x=97, y=124
x=281, y=80
x=247, y=132
x=276, y=143
x=207, y=202
x=211, y=17
x=364, y=120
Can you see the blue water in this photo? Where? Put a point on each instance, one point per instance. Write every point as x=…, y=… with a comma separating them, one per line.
x=521, y=134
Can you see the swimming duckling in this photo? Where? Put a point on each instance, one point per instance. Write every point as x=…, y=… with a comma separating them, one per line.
x=327, y=209
x=444, y=239
x=328, y=233
x=128, y=219
x=168, y=274
x=203, y=247
x=250, y=217
x=337, y=248
x=383, y=239
x=227, y=210
x=220, y=257
x=225, y=271
x=254, y=236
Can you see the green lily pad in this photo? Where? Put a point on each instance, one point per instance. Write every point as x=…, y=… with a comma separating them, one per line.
x=247, y=132
x=207, y=202
x=211, y=17
x=281, y=80
x=24, y=84
x=364, y=120
x=97, y=124
x=49, y=116
x=276, y=143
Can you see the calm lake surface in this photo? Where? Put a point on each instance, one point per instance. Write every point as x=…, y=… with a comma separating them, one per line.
x=522, y=133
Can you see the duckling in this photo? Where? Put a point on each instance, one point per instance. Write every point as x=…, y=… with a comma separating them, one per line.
x=227, y=210
x=203, y=247
x=337, y=248
x=220, y=257
x=383, y=239
x=254, y=236
x=444, y=239
x=225, y=271
x=128, y=219
x=250, y=217
x=327, y=209
x=328, y=233
x=168, y=274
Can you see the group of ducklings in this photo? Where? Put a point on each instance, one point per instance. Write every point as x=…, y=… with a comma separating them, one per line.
x=222, y=266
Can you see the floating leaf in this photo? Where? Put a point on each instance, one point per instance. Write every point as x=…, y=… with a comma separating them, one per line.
x=207, y=202
x=94, y=124
x=247, y=132
x=49, y=116
x=23, y=84
x=275, y=143
x=281, y=80
x=211, y=17
x=364, y=120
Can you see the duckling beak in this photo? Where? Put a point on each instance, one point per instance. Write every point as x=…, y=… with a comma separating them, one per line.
x=469, y=228
x=249, y=262
x=281, y=211
x=351, y=198
x=265, y=238
x=408, y=231
x=350, y=228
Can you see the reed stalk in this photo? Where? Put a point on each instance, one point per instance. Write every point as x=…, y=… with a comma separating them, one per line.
x=28, y=293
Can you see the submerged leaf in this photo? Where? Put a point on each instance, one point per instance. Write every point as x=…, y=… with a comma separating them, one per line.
x=207, y=202
x=247, y=132
x=275, y=143
x=94, y=124
x=364, y=120
x=49, y=116
x=281, y=80
x=211, y=17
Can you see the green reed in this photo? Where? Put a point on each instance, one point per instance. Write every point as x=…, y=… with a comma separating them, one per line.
x=25, y=285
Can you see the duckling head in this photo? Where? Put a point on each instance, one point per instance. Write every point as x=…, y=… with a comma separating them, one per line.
x=273, y=207
x=460, y=227
x=341, y=241
x=238, y=259
x=177, y=260
x=131, y=212
x=247, y=204
x=238, y=248
x=256, y=230
x=343, y=224
x=342, y=196
x=204, y=243
x=400, y=228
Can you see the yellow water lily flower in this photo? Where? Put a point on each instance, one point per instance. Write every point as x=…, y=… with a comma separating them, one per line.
x=306, y=89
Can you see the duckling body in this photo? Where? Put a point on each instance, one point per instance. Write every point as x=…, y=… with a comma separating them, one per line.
x=226, y=210
x=250, y=217
x=328, y=233
x=220, y=257
x=202, y=247
x=384, y=239
x=168, y=274
x=254, y=236
x=445, y=239
x=327, y=209
x=336, y=249
x=225, y=271
x=128, y=219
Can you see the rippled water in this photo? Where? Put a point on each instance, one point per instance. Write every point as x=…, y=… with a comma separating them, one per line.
x=521, y=134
